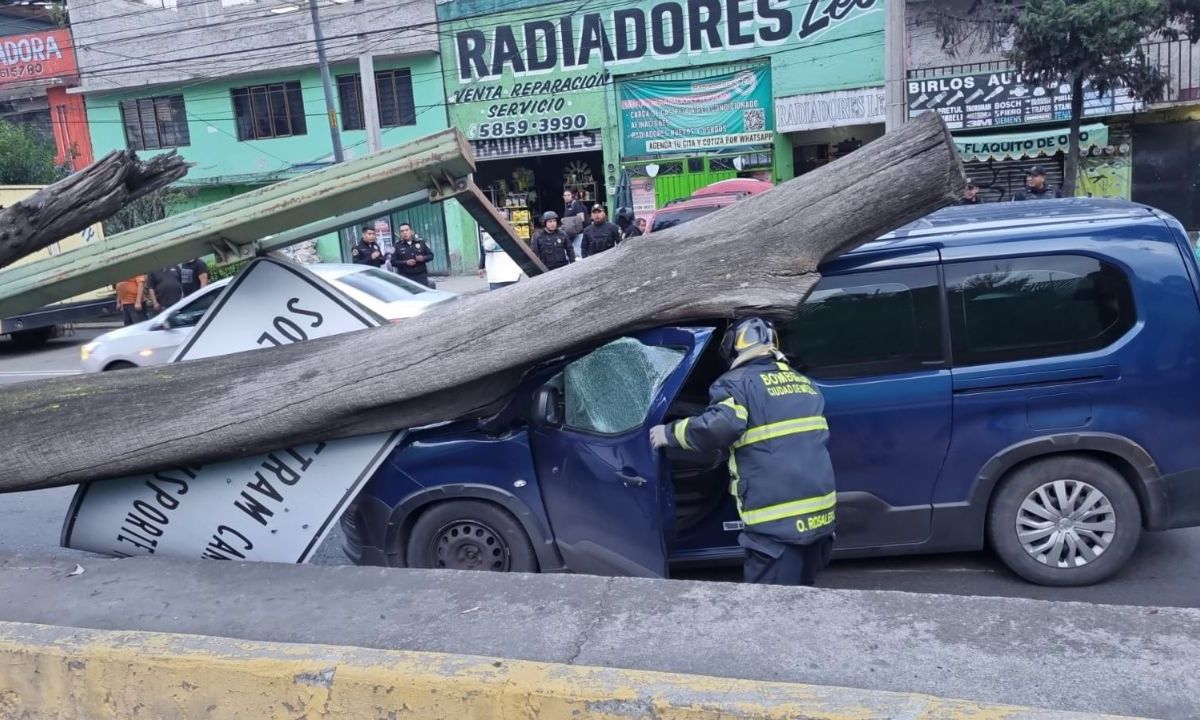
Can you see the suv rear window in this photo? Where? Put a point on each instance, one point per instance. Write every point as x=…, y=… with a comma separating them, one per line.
x=1035, y=307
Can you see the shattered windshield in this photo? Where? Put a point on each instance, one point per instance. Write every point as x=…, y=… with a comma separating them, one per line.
x=611, y=389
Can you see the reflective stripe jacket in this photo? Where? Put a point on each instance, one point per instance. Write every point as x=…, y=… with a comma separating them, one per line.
x=771, y=419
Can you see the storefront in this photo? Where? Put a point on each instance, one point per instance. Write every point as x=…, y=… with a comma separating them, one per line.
x=671, y=94
x=1004, y=126
x=823, y=127
x=999, y=163
x=526, y=176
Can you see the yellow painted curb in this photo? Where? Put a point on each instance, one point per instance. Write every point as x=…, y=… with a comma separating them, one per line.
x=56, y=673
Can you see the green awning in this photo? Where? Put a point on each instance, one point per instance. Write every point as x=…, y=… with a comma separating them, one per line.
x=1023, y=145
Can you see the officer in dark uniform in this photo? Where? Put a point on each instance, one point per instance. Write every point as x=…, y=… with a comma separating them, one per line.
x=624, y=221
x=367, y=251
x=411, y=255
x=552, y=246
x=771, y=419
x=1036, y=187
x=601, y=235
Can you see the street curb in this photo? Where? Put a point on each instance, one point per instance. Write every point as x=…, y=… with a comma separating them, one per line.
x=58, y=672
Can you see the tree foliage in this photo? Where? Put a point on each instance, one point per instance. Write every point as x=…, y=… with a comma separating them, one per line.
x=25, y=158
x=1083, y=43
x=147, y=209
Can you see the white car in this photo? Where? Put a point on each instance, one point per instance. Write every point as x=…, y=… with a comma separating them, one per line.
x=153, y=342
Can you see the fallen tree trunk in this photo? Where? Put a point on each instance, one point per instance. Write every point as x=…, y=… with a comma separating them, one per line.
x=86, y=197
x=757, y=256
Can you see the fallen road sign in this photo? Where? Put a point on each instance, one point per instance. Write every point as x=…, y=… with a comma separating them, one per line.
x=275, y=507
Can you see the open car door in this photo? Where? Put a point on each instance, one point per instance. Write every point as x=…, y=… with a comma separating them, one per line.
x=607, y=493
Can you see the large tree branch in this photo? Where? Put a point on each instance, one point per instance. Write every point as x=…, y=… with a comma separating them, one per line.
x=86, y=197
x=759, y=255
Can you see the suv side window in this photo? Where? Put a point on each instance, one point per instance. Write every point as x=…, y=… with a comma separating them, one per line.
x=1035, y=307
x=869, y=323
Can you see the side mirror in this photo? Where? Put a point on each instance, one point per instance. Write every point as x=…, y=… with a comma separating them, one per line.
x=547, y=408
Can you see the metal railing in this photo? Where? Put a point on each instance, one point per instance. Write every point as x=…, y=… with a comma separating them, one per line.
x=1178, y=59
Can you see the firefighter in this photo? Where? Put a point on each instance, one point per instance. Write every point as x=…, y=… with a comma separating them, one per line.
x=551, y=244
x=770, y=418
x=367, y=251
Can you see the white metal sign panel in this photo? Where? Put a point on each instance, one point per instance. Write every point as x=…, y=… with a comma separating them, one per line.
x=275, y=507
x=864, y=106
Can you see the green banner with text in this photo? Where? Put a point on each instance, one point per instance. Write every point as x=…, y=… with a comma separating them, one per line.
x=710, y=113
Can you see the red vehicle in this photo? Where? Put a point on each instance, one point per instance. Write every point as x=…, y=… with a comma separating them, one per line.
x=704, y=201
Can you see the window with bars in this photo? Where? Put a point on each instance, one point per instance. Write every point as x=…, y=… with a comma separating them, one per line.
x=156, y=122
x=394, y=93
x=269, y=111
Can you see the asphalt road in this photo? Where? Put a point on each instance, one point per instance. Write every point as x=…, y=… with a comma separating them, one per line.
x=1165, y=572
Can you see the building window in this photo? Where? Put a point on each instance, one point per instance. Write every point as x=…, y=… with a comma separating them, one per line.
x=1036, y=307
x=868, y=323
x=153, y=123
x=269, y=111
x=393, y=90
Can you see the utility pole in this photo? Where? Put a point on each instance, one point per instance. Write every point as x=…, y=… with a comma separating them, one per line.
x=319, y=36
x=895, y=64
x=370, y=102
x=338, y=156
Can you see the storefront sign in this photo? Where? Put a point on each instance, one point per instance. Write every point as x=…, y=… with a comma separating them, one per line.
x=528, y=67
x=1027, y=145
x=710, y=113
x=36, y=56
x=556, y=144
x=1002, y=98
x=863, y=106
x=275, y=507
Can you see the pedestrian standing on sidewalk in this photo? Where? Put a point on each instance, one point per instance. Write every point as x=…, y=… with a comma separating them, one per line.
x=970, y=195
x=1036, y=187
x=411, y=255
x=637, y=229
x=601, y=235
x=367, y=251
x=495, y=264
x=574, y=218
x=771, y=420
x=129, y=299
x=551, y=244
x=165, y=288
x=193, y=275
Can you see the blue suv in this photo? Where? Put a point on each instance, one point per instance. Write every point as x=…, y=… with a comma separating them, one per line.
x=1018, y=375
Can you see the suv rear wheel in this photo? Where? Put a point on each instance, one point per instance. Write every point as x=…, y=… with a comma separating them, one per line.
x=470, y=535
x=1065, y=520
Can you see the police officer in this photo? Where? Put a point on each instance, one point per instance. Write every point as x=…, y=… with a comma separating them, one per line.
x=770, y=418
x=367, y=251
x=601, y=235
x=625, y=221
x=1036, y=187
x=552, y=246
x=411, y=255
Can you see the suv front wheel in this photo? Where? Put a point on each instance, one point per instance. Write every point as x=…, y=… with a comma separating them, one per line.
x=1065, y=520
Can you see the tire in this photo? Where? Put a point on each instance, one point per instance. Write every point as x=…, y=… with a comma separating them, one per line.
x=470, y=535
x=119, y=365
x=33, y=338
x=1086, y=545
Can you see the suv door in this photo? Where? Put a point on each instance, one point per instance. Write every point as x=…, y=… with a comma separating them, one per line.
x=607, y=493
x=871, y=337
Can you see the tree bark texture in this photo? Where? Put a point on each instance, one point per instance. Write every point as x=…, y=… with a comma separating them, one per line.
x=758, y=256
x=82, y=199
x=1071, y=166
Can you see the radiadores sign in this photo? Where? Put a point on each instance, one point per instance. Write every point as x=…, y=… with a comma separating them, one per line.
x=36, y=56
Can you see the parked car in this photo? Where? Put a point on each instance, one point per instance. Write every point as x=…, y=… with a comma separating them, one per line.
x=154, y=341
x=1015, y=375
x=707, y=199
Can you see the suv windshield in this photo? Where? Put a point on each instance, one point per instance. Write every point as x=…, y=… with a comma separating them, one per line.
x=670, y=218
x=382, y=285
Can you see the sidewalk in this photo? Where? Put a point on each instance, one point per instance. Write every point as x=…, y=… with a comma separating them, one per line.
x=1061, y=656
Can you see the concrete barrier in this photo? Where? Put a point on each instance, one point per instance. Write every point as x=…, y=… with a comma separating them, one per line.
x=67, y=673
